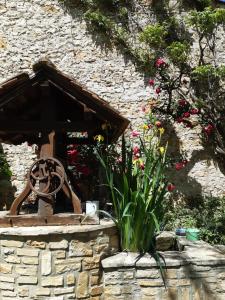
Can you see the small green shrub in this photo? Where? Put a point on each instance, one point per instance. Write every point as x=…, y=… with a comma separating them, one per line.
x=154, y=35
x=208, y=217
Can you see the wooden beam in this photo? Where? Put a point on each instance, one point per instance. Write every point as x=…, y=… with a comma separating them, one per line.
x=18, y=90
x=32, y=126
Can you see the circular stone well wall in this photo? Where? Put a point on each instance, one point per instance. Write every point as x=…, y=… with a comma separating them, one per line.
x=54, y=262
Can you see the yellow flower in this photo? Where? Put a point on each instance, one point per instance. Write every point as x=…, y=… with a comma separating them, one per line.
x=144, y=126
x=161, y=150
x=161, y=130
x=99, y=138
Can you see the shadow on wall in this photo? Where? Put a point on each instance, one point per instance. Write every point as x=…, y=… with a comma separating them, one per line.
x=186, y=185
x=6, y=189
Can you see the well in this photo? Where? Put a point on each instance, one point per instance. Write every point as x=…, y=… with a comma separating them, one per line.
x=55, y=262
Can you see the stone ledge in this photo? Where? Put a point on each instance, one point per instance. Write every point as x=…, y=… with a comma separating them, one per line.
x=122, y=260
x=48, y=230
x=199, y=253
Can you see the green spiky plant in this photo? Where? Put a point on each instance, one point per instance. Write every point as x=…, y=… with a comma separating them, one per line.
x=137, y=184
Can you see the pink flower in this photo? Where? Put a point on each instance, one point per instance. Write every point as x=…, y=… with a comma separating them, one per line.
x=182, y=102
x=171, y=187
x=194, y=111
x=135, y=133
x=186, y=114
x=136, y=150
x=158, y=90
x=160, y=62
x=151, y=82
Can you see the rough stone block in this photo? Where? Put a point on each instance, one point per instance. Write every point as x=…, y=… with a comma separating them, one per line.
x=5, y=268
x=27, y=280
x=42, y=292
x=60, y=254
x=186, y=293
x=30, y=260
x=150, y=282
x=23, y=291
x=112, y=290
x=70, y=279
x=154, y=274
x=11, y=243
x=113, y=277
x=13, y=259
x=150, y=291
x=91, y=262
x=27, y=271
x=82, y=285
x=80, y=249
x=95, y=280
x=63, y=291
x=59, y=245
x=36, y=244
x=9, y=294
x=6, y=286
x=170, y=293
x=46, y=263
x=8, y=251
x=128, y=275
x=28, y=252
x=97, y=290
x=72, y=264
x=165, y=240
x=52, y=281
x=7, y=279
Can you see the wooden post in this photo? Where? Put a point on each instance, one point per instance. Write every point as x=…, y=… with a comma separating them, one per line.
x=46, y=204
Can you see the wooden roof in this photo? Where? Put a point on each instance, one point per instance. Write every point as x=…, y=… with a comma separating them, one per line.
x=72, y=107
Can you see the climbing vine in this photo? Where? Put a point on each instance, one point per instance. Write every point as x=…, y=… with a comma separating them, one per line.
x=185, y=82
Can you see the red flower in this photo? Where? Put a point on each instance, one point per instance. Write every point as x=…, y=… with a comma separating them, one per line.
x=171, y=187
x=189, y=125
x=143, y=108
x=180, y=120
x=194, y=111
x=158, y=90
x=158, y=124
x=186, y=114
x=160, y=62
x=182, y=102
x=72, y=155
x=84, y=170
x=208, y=129
x=142, y=165
x=136, y=150
x=151, y=82
x=179, y=166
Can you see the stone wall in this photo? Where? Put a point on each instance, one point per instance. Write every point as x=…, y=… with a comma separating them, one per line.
x=54, y=262
x=194, y=274
x=31, y=29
